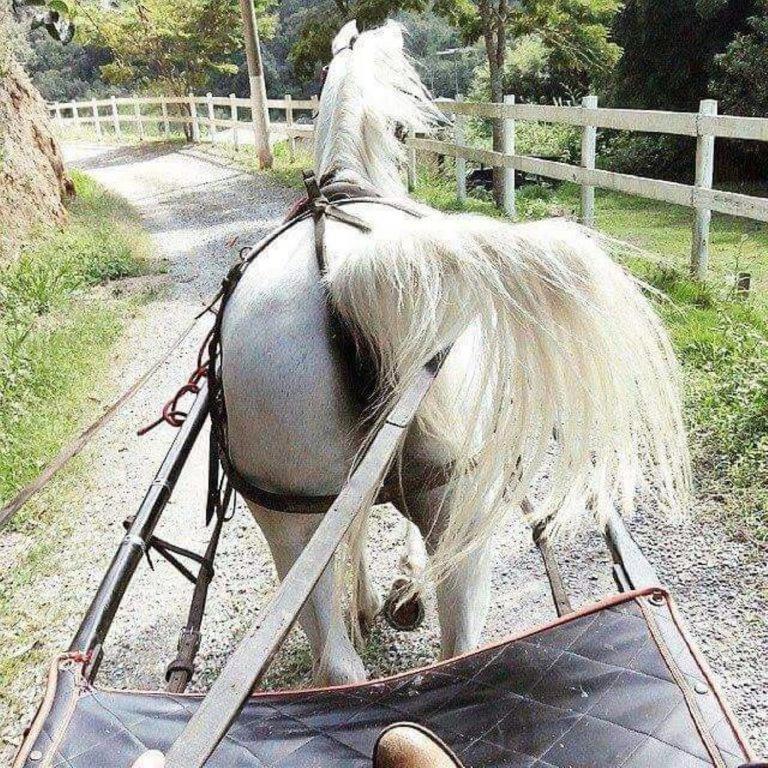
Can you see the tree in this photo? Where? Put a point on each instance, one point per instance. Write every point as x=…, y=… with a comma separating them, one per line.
x=169, y=45
x=741, y=88
x=739, y=74
x=575, y=32
x=670, y=47
x=318, y=24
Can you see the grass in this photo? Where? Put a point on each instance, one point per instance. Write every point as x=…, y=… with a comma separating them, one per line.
x=285, y=170
x=56, y=330
x=59, y=320
x=721, y=340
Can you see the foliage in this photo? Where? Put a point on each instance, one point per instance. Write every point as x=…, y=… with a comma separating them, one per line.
x=54, y=16
x=66, y=72
x=739, y=79
x=51, y=336
x=171, y=45
x=444, y=75
x=641, y=154
x=669, y=49
x=566, y=37
x=723, y=345
x=319, y=22
x=535, y=71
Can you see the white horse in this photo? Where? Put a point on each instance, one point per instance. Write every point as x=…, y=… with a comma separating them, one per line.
x=553, y=337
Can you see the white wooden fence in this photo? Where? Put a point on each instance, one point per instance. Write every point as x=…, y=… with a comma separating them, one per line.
x=705, y=125
x=209, y=117
x=205, y=115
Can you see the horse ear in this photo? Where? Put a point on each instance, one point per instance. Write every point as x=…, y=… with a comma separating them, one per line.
x=344, y=37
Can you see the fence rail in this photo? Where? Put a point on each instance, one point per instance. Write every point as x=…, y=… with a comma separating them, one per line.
x=203, y=116
x=705, y=125
x=196, y=114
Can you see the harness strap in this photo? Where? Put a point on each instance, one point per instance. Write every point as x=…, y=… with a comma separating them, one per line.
x=324, y=200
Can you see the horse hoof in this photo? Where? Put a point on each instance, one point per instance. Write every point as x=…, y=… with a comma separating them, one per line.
x=404, y=616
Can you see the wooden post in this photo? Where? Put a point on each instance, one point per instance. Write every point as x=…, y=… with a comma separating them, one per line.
x=461, y=163
x=96, y=120
x=743, y=283
x=588, y=153
x=411, y=169
x=233, y=118
x=193, y=114
x=705, y=171
x=211, y=118
x=508, y=147
x=138, y=120
x=57, y=110
x=75, y=114
x=166, y=124
x=115, y=117
x=258, y=92
x=289, y=126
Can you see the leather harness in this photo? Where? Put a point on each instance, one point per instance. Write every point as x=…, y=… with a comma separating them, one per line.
x=324, y=200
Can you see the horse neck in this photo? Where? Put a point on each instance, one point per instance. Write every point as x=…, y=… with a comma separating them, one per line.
x=351, y=142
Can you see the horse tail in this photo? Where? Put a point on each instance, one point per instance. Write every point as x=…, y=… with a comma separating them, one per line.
x=562, y=383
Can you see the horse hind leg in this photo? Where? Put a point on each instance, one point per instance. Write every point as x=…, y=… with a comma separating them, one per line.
x=369, y=601
x=335, y=660
x=404, y=606
x=463, y=597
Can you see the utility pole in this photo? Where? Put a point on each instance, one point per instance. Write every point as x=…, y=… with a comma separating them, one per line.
x=259, y=114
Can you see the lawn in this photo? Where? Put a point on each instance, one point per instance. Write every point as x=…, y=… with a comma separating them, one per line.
x=58, y=324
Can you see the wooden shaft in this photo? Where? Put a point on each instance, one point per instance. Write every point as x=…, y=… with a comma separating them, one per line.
x=259, y=113
x=213, y=718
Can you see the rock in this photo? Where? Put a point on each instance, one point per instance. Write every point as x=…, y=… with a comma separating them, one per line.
x=33, y=184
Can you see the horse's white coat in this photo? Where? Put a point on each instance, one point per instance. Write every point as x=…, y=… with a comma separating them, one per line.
x=553, y=335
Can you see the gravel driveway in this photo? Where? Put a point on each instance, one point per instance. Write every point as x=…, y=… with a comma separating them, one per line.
x=194, y=207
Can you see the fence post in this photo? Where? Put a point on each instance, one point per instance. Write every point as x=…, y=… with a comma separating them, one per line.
x=411, y=169
x=193, y=115
x=508, y=147
x=116, y=118
x=289, y=126
x=461, y=163
x=75, y=115
x=96, y=120
x=588, y=152
x=705, y=171
x=211, y=118
x=164, y=110
x=233, y=118
x=137, y=116
x=57, y=110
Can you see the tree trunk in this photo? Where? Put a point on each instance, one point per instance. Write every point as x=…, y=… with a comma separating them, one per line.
x=493, y=16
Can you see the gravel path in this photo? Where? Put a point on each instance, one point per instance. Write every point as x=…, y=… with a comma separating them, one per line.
x=194, y=206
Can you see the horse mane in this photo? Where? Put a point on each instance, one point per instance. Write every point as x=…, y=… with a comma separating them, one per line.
x=371, y=88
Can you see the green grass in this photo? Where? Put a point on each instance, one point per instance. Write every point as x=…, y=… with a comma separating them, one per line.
x=56, y=330
x=285, y=171
x=722, y=341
